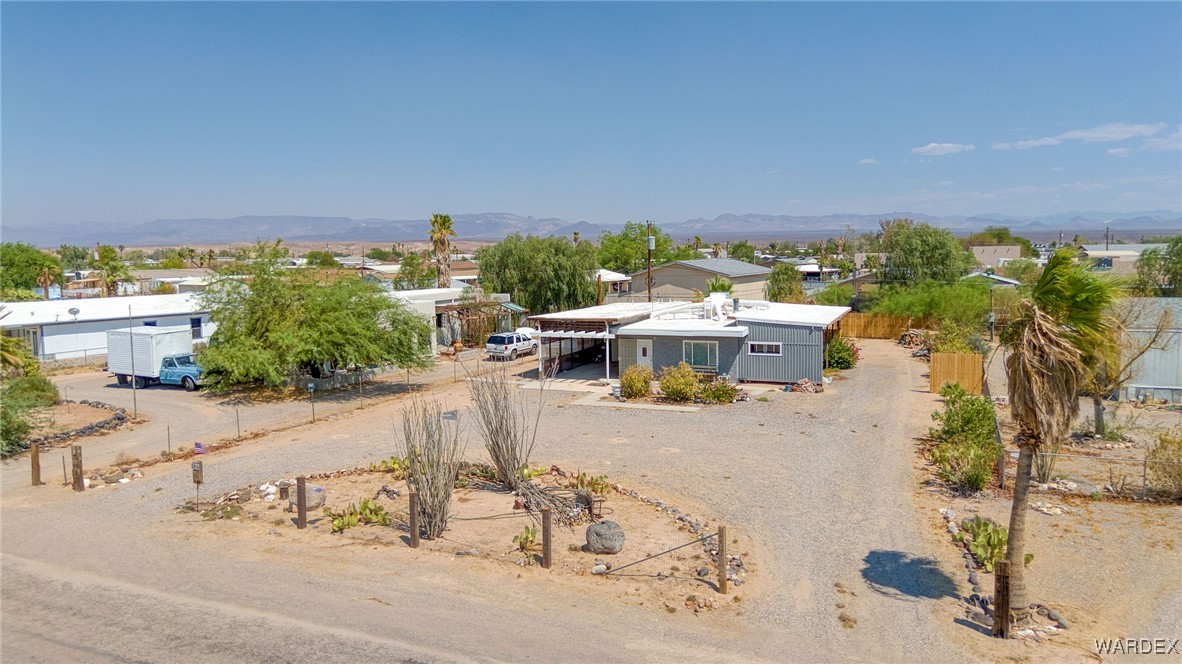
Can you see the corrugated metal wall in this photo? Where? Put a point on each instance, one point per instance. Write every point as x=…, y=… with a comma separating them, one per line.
x=1160, y=369
x=668, y=351
x=803, y=353
x=627, y=346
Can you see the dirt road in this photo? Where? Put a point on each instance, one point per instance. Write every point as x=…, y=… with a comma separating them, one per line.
x=107, y=575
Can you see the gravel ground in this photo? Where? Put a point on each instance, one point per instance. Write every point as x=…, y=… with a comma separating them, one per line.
x=821, y=482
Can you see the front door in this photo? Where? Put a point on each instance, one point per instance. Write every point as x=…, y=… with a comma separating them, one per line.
x=644, y=353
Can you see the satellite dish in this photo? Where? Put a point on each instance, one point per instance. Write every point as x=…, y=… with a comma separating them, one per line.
x=74, y=311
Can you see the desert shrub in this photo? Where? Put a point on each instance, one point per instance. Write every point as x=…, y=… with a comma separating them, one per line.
x=15, y=424
x=1165, y=462
x=953, y=338
x=966, y=464
x=967, y=447
x=432, y=449
x=986, y=540
x=963, y=414
x=637, y=382
x=719, y=391
x=33, y=390
x=835, y=295
x=679, y=383
x=962, y=303
x=841, y=353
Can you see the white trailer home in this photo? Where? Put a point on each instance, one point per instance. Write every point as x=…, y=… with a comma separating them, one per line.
x=77, y=329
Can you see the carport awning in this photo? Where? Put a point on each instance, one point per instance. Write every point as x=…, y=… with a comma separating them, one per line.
x=576, y=334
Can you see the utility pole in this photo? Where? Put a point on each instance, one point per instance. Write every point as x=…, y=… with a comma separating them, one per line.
x=652, y=243
x=1107, y=237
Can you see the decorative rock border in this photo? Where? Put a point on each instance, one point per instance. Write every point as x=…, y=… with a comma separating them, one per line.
x=113, y=422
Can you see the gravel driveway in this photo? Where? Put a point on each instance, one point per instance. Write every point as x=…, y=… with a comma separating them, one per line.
x=824, y=492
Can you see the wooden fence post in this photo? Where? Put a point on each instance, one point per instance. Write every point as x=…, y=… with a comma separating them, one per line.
x=1001, y=599
x=723, y=583
x=76, y=459
x=35, y=464
x=414, y=520
x=546, y=542
x=301, y=503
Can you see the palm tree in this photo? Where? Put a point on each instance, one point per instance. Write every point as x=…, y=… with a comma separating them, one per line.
x=13, y=352
x=49, y=276
x=1064, y=322
x=440, y=237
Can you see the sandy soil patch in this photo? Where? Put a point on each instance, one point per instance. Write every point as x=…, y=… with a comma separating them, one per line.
x=483, y=525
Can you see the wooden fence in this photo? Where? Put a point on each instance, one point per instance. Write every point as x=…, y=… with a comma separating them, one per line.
x=878, y=326
x=968, y=369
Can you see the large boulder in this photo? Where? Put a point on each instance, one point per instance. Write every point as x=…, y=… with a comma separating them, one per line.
x=605, y=537
x=314, y=495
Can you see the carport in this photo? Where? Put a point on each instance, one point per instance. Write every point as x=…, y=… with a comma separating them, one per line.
x=572, y=338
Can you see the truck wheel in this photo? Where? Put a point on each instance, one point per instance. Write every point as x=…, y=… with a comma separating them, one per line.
x=513, y=355
x=121, y=379
x=140, y=382
x=188, y=384
x=533, y=349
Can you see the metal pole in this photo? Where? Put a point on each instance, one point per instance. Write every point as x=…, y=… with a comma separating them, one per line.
x=238, y=422
x=312, y=400
x=168, y=430
x=649, y=279
x=65, y=477
x=135, y=408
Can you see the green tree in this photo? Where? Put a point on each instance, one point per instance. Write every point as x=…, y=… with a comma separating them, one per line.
x=627, y=251
x=73, y=257
x=920, y=252
x=719, y=284
x=440, y=236
x=1023, y=270
x=21, y=265
x=276, y=321
x=835, y=295
x=540, y=274
x=321, y=259
x=414, y=272
x=112, y=270
x=784, y=284
x=1063, y=323
x=1159, y=271
x=743, y=251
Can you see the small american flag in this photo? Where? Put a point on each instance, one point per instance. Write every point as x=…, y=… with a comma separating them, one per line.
x=198, y=448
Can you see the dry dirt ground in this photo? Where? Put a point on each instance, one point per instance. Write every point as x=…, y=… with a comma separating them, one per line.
x=1113, y=568
x=819, y=489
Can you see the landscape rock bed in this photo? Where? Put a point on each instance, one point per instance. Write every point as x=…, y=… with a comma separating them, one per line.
x=118, y=419
x=482, y=528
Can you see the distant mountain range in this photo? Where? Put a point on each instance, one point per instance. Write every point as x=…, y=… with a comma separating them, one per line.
x=497, y=225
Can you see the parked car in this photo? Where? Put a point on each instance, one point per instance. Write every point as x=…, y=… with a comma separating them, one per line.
x=510, y=345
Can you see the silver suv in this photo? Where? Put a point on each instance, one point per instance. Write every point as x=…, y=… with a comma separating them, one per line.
x=510, y=345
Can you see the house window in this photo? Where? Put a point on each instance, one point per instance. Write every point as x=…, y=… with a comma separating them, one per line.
x=758, y=348
x=149, y=323
x=195, y=325
x=700, y=354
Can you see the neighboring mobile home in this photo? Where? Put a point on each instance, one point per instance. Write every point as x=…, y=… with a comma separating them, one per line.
x=686, y=279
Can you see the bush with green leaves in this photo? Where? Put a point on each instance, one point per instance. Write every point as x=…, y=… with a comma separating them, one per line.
x=968, y=448
x=1165, y=462
x=719, y=285
x=33, y=390
x=841, y=353
x=967, y=465
x=637, y=382
x=679, y=383
x=839, y=295
x=718, y=390
x=16, y=420
x=964, y=303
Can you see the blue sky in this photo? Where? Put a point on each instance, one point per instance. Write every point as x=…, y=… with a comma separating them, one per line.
x=603, y=112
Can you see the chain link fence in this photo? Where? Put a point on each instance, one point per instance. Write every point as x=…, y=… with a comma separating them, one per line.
x=1101, y=475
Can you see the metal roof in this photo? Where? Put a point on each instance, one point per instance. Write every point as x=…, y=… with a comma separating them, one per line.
x=810, y=315
x=48, y=312
x=727, y=267
x=683, y=327
x=615, y=312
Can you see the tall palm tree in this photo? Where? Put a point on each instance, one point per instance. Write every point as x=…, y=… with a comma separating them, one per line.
x=440, y=237
x=1063, y=323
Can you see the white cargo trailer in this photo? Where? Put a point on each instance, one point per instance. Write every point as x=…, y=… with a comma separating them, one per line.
x=149, y=345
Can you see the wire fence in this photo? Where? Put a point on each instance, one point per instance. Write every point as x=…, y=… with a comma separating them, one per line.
x=1097, y=475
